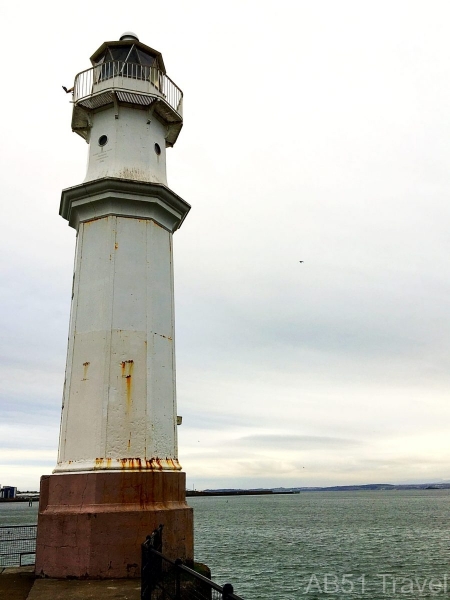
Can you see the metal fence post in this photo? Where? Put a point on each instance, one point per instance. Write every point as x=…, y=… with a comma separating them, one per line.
x=226, y=590
x=151, y=565
x=178, y=562
x=165, y=579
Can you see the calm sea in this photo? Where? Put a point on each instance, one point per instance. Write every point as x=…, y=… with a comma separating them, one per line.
x=371, y=545
x=358, y=545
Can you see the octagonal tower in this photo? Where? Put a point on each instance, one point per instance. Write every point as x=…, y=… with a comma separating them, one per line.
x=118, y=477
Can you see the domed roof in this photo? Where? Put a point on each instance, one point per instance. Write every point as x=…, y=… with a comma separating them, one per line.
x=129, y=35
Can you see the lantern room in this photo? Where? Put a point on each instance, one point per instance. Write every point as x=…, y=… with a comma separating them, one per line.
x=129, y=73
x=128, y=50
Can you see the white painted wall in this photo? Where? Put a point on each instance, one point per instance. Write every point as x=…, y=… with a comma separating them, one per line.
x=130, y=150
x=119, y=405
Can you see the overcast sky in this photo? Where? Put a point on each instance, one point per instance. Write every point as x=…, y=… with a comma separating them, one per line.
x=315, y=131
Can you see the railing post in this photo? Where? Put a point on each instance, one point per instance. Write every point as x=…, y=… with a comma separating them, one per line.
x=178, y=562
x=146, y=571
x=151, y=565
x=226, y=590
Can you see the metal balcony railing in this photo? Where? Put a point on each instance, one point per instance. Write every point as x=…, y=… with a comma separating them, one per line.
x=127, y=76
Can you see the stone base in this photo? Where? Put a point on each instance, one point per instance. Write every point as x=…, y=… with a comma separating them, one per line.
x=92, y=525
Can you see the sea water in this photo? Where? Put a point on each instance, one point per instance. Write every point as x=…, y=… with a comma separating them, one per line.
x=18, y=513
x=359, y=545
x=379, y=545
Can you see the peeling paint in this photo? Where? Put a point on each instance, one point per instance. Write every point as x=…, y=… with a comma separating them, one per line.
x=166, y=337
x=138, y=464
x=127, y=371
x=85, y=370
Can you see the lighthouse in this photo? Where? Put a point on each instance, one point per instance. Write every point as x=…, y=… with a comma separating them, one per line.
x=117, y=476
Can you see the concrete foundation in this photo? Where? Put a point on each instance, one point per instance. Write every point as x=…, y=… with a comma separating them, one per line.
x=92, y=525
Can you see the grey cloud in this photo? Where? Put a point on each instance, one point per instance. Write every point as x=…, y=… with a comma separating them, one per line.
x=29, y=410
x=210, y=420
x=330, y=329
x=409, y=461
x=30, y=462
x=296, y=442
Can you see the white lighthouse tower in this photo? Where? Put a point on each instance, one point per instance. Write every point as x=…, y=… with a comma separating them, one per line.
x=118, y=475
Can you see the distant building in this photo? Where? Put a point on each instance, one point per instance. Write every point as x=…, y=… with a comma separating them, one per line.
x=7, y=492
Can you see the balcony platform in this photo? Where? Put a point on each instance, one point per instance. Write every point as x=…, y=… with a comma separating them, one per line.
x=119, y=83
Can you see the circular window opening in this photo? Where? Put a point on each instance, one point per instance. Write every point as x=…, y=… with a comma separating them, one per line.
x=158, y=149
x=102, y=140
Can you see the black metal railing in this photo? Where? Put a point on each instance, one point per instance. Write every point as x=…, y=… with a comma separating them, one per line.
x=164, y=579
x=17, y=545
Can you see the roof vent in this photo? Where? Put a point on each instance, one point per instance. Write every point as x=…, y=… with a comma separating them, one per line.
x=129, y=35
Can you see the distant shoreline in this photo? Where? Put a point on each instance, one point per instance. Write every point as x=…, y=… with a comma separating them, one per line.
x=371, y=487
x=15, y=500
x=34, y=498
x=192, y=493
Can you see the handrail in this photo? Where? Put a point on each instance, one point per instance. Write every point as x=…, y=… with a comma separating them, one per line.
x=118, y=75
x=157, y=578
x=178, y=563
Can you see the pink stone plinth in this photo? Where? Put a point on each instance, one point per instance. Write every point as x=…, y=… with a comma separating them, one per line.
x=92, y=525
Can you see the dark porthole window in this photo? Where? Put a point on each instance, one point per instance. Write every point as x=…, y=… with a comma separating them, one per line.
x=102, y=140
x=158, y=149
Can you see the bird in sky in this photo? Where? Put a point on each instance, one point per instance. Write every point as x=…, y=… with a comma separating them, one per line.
x=301, y=261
